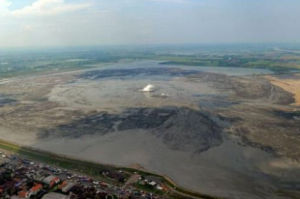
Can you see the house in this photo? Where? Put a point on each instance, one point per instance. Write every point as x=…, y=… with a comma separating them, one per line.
x=103, y=184
x=51, y=180
x=35, y=189
x=23, y=194
x=62, y=185
x=66, y=186
x=158, y=187
x=152, y=183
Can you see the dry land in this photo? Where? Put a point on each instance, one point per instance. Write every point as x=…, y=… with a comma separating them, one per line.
x=290, y=84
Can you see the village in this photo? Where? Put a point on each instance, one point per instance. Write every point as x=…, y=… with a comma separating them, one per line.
x=23, y=178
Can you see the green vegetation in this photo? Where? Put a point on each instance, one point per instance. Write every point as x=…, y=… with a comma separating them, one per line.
x=280, y=62
x=35, y=63
x=149, y=188
x=57, y=60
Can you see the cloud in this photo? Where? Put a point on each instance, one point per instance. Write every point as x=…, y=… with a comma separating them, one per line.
x=73, y=22
x=4, y=4
x=27, y=28
x=48, y=8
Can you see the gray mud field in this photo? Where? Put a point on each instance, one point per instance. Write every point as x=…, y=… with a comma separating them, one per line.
x=220, y=131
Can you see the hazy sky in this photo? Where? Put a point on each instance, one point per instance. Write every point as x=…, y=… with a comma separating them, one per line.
x=102, y=22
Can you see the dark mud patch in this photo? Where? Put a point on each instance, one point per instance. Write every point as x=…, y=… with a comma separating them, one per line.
x=216, y=102
x=241, y=138
x=5, y=100
x=179, y=128
x=247, y=142
x=137, y=73
x=294, y=76
x=191, y=130
x=290, y=115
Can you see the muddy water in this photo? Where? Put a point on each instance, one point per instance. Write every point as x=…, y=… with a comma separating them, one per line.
x=119, y=86
x=118, y=94
x=228, y=170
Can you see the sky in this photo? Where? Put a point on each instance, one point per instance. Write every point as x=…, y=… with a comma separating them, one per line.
x=29, y=23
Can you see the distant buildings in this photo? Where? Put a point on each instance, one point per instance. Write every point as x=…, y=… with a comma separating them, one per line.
x=21, y=178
